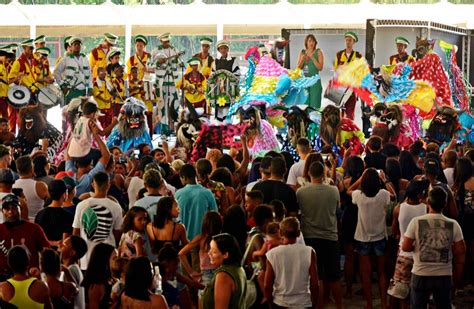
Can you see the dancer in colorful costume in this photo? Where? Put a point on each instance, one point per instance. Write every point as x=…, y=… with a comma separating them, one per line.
x=132, y=129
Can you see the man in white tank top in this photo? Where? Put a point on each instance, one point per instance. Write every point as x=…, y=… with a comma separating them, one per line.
x=289, y=284
x=36, y=192
x=412, y=207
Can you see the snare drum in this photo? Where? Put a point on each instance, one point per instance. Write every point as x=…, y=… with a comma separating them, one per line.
x=338, y=95
x=50, y=96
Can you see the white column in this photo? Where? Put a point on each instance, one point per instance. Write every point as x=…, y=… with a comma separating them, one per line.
x=32, y=28
x=128, y=40
x=220, y=31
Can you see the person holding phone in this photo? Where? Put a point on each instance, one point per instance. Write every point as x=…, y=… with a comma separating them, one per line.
x=311, y=61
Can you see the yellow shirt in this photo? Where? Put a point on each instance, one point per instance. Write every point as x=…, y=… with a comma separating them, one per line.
x=198, y=83
x=3, y=81
x=98, y=59
x=41, y=71
x=25, y=66
x=102, y=93
x=140, y=63
x=341, y=58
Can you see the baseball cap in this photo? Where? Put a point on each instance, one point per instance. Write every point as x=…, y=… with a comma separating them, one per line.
x=70, y=182
x=6, y=175
x=431, y=166
x=10, y=200
x=57, y=186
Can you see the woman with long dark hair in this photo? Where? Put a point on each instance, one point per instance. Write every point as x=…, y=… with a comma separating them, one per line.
x=394, y=175
x=98, y=279
x=408, y=165
x=371, y=233
x=354, y=169
x=163, y=229
x=138, y=283
x=463, y=189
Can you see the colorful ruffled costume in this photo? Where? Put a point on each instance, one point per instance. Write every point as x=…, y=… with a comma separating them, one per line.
x=268, y=83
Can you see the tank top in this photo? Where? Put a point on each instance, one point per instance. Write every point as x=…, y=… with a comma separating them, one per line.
x=237, y=299
x=406, y=214
x=158, y=244
x=21, y=299
x=35, y=204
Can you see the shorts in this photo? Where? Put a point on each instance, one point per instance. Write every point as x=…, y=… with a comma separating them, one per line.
x=327, y=258
x=400, y=284
x=376, y=248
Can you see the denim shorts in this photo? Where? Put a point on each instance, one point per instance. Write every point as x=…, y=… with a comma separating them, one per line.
x=376, y=248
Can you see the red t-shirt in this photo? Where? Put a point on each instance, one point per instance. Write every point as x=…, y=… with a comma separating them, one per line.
x=26, y=233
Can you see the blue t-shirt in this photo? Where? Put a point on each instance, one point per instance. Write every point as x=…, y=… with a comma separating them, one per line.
x=194, y=202
x=84, y=184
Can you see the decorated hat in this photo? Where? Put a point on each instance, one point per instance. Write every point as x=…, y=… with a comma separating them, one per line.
x=222, y=43
x=113, y=52
x=43, y=51
x=13, y=47
x=194, y=61
x=10, y=200
x=27, y=43
x=111, y=38
x=351, y=35
x=205, y=40
x=402, y=40
x=40, y=39
x=75, y=39
x=66, y=39
x=4, y=50
x=165, y=37
x=141, y=38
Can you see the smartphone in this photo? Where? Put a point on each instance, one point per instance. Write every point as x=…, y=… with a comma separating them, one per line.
x=18, y=192
x=325, y=156
x=226, y=151
x=136, y=153
x=378, y=171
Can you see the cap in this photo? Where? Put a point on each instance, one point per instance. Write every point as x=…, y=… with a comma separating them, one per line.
x=194, y=61
x=43, y=51
x=205, y=40
x=75, y=39
x=113, y=52
x=10, y=200
x=66, y=39
x=40, y=39
x=222, y=43
x=431, y=166
x=402, y=40
x=351, y=35
x=165, y=37
x=27, y=43
x=6, y=176
x=69, y=181
x=111, y=38
x=141, y=38
x=280, y=39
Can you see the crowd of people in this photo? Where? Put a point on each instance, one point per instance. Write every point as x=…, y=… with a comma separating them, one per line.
x=139, y=226
x=158, y=232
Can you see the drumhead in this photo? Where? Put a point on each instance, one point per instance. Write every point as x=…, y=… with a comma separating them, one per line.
x=47, y=97
x=19, y=96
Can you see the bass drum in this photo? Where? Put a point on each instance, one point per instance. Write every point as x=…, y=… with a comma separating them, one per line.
x=338, y=95
x=19, y=96
x=50, y=96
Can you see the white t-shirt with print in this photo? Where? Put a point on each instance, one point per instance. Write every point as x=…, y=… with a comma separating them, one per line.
x=97, y=218
x=371, y=215
x=434, y=235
